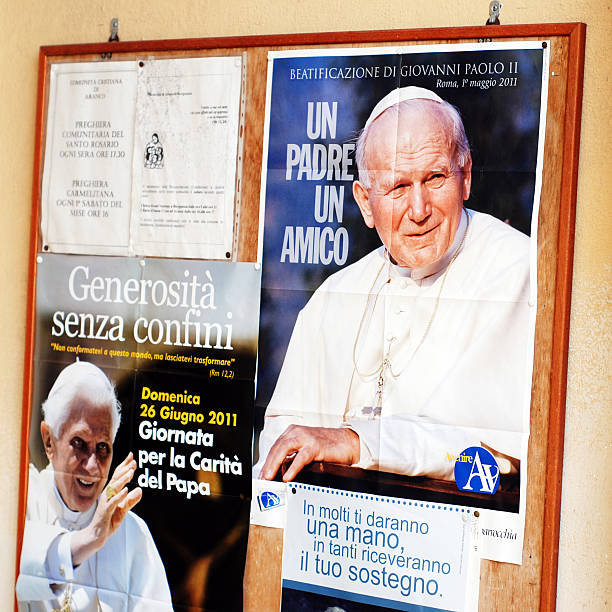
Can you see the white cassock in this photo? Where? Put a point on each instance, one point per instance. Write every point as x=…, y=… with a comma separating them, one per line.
x=458, y=339
x=126, y=574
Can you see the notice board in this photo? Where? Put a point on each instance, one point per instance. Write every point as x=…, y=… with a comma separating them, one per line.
x=531, y=585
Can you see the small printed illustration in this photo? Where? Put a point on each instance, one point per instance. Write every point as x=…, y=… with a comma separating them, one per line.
x=154, y=153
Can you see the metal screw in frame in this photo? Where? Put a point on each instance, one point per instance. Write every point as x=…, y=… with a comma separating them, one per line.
x=114, y=35
x=494, y=10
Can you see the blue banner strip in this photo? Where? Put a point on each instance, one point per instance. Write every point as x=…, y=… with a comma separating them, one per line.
x=350, y=596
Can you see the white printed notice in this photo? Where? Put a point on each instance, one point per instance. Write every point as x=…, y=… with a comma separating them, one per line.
x=86, y=190
x=348, y=550
x=185, y=157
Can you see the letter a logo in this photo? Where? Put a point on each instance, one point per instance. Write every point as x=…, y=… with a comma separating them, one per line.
x=476, y=470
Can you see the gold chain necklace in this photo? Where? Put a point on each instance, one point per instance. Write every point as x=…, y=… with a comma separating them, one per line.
x=385, y=363
x=65, y=606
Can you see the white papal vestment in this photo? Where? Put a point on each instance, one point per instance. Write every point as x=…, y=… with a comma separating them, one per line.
x=458, y=338
x=126, y=574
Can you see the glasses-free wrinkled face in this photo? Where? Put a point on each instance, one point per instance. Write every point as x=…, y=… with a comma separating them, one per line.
x=416, y=190
x=82, y=454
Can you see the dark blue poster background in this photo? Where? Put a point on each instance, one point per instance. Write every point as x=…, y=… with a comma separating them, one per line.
x=497, y=92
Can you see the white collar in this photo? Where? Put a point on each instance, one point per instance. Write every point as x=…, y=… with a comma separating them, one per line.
x=74, y=518
x=396, y=271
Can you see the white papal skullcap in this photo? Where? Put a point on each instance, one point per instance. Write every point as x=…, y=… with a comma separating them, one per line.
x=78, y=373
x=71, y=379
x=401, y=94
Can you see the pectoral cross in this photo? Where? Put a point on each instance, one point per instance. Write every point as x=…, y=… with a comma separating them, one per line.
x=375, y=411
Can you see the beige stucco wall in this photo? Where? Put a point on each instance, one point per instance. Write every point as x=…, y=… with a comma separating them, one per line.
x=585, y=573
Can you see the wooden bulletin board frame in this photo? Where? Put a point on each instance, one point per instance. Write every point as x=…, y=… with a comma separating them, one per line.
x=503, y=587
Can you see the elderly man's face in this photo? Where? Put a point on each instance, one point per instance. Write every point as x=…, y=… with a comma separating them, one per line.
x=417, y=192
x=82, y=454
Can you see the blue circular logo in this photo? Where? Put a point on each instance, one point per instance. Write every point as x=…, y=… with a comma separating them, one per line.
x=269, y=500
x=476, y=470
